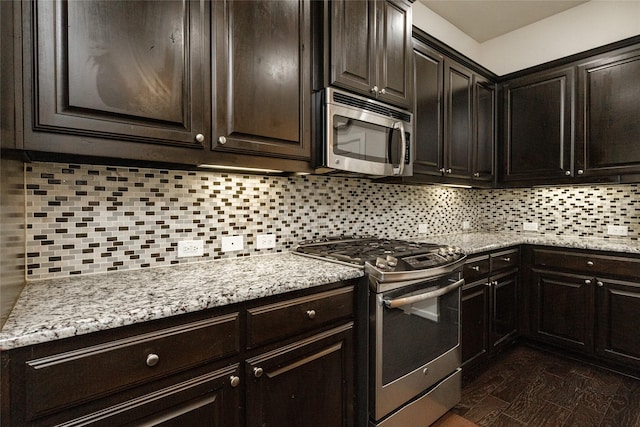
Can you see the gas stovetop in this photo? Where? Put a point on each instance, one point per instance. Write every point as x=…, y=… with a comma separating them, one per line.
x=385, y=259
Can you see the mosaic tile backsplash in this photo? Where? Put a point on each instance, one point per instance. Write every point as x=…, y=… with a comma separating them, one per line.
x=85, y=219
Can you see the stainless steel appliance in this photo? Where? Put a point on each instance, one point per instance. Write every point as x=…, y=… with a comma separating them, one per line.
x=413, y=334
x=357, y=135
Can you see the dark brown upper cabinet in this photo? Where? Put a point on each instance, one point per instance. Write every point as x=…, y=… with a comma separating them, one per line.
x=117, y=78
x=262, y=79
x=608, y=115
x=370, y=48
x=455, y=110
x=538, y=126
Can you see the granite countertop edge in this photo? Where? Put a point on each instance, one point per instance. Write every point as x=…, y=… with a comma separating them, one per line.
x=110, y=300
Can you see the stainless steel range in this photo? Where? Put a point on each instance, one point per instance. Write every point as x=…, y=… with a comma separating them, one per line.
x=411, y=294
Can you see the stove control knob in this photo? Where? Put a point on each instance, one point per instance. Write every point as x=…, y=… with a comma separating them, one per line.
x=392, y=261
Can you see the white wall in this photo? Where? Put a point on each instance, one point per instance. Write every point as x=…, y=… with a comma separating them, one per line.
x=581, y=28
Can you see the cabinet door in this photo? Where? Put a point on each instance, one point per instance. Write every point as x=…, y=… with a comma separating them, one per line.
x=562, y=309
x=428, y=106
x=538, y=126
x=484, y=129
x=608, y=129
x=618, y=317
x=394, y=47
x=263, y=78
x=120, y=70
x=309, y=383
x=353, y=51
x=504, y=308
x=474, y=318
x=458, y=85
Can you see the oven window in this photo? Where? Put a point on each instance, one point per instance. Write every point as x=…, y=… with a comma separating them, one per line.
x=365, y=141
x=417, y=333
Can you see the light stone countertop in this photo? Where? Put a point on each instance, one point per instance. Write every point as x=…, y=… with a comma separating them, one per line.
x=60, y=308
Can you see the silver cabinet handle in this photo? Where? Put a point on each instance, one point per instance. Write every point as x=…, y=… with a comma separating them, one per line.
x=152, y=359
x=599, y=283
x=477, y=174
x=382, y=91
x=222, y=140
x=311, y=314
x=235, y=381
x=580, y=172
x=200, y=137
x=590, y=263
x=476, y=268
x=374, y=90
x=567, y=173
x=587, y=282
x=506, y=259
x=443, y=170
x=449, y=170
x=257, y=372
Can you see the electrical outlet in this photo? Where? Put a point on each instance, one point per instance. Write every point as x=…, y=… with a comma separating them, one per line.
x=187, y=248
x=466, y=225
x=423, y=228
x=265, y=241
x=232, y=243
x=530, y=226
x=617, y=230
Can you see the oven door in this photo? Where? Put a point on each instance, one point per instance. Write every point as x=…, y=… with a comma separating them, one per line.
x=414, y=340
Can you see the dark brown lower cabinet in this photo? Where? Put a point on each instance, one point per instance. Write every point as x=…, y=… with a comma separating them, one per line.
x=305, y=384
x=562, y=309
x=489, y=304
x=618, y=317
x=474, y=316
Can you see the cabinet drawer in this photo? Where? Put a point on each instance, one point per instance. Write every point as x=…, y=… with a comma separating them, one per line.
x=281, y=320
x=586, y=263
x=476, y=268
x=80, y=375
x=505, y=260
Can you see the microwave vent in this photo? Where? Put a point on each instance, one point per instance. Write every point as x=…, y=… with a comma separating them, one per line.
x=371, y=106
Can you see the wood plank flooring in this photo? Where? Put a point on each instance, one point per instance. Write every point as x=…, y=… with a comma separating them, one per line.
x=531, y=387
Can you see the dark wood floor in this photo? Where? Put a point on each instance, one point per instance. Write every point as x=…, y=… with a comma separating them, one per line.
x=531, y=387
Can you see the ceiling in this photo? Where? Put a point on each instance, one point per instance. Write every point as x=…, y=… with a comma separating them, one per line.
x=483, y=20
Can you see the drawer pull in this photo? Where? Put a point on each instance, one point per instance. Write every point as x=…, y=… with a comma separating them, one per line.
x=257, y=372
x=588, y=282
x=506, y=259
x=152, y=359
x=599, y=283
x=235, y=381
x=590, y=263
x=311, y=314
x=476, y=268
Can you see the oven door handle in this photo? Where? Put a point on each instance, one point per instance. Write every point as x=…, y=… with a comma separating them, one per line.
x=395, y=303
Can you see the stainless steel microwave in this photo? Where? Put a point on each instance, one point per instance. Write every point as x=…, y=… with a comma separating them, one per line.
x=357, y=135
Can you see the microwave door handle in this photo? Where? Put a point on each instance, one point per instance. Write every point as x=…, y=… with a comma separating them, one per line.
x=400, y=169
x=395, y=303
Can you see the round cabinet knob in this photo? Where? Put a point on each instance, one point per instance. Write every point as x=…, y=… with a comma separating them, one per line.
x=443, y=170
x=425, y=371
x=257, y=372
x=200, y=137
x=567, y=173
x=587, y=282
x=235, y=381
x=599, y=283
x=449, y=171
x=476, y=268
x=580, y=172
x=506, y=259
x=311, y=314
x=590, y=263
x=152, y=359
x=477, y=174
x=374, y=89
x=222, y=140
x=382, y=91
